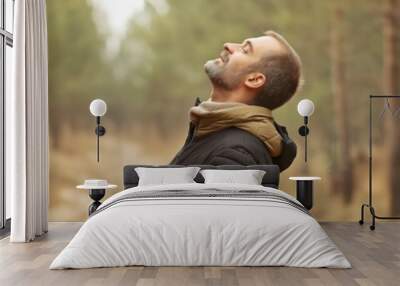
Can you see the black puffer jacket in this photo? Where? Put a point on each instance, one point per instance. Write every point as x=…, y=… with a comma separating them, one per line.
x=233, y=146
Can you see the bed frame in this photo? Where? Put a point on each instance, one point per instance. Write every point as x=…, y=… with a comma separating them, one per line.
x=270, y=179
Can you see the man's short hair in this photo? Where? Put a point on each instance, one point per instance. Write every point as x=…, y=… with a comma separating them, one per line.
x=283, y=72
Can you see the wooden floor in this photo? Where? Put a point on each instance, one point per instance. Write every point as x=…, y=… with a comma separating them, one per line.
x=375, y=257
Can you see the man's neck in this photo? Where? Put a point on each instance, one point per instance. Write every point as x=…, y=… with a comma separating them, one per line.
x=220, y=95
x=223, y=95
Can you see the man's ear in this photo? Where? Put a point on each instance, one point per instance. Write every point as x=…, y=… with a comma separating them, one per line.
x=255, y=80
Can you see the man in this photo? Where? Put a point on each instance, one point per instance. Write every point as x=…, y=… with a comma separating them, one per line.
x=235, y=126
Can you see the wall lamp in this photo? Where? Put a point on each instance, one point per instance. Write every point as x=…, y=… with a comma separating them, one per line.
x=98, y=108
x=305, y=108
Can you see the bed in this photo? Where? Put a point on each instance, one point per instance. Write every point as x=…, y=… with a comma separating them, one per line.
x=201, y=224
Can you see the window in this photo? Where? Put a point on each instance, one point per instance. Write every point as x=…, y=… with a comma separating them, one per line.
x=6, y=44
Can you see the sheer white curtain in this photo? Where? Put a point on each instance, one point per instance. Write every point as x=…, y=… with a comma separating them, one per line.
x=27, y=123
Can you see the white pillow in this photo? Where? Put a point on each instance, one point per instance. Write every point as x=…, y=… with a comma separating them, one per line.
x=247, y=177
x=163, y=176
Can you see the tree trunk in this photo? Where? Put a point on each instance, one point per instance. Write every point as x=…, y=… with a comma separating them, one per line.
x=390, y=75
x=344, y=165
x=55, y=117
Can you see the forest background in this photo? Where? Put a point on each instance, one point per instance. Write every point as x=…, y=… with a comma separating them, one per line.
x=152, y=72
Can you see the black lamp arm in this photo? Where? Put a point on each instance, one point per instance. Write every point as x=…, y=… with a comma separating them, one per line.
x=304, y=131
x=100, y=131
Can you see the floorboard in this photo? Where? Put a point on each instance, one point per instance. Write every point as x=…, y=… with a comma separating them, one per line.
x=375, y=257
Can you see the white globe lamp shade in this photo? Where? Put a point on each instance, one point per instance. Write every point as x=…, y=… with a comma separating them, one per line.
x=98, y=107
x=305, y=107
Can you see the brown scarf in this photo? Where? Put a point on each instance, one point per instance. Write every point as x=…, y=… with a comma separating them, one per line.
x=212, y=116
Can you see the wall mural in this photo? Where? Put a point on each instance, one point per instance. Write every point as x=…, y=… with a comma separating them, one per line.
x=165, y=69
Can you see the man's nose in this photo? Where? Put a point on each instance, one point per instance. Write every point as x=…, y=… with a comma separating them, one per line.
x=230, y=47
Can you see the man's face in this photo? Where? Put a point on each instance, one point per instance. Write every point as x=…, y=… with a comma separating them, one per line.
x=228, y=71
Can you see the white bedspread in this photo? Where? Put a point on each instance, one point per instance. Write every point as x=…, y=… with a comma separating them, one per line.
x=200, y=231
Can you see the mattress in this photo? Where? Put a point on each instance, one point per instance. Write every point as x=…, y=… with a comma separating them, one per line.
x=201, y=225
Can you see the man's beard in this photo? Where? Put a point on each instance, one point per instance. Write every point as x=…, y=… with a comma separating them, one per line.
x=219, y=75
